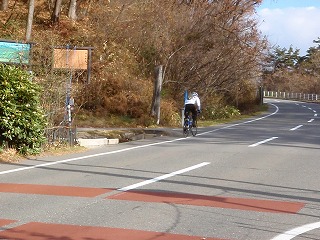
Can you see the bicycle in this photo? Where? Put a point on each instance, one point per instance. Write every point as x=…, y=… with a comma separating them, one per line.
x=188, y=126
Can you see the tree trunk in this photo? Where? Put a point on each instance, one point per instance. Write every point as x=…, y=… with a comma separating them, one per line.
x=56, y=11
x=30, y=20
x=72, y=10
x=4, y=5
x=155, y=109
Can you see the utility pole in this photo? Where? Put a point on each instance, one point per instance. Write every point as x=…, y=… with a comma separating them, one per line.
x=155, y=109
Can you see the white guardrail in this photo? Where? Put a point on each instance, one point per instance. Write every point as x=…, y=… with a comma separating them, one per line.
x=294, y=96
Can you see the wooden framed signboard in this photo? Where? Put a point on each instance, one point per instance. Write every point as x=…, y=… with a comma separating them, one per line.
x=73, y=59
x=70, y=58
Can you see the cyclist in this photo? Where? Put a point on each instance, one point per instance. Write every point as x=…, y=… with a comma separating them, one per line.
x=192, y=105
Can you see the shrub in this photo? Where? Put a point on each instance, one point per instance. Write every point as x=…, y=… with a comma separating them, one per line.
x=221, y=112
x=22, y=121
x=169, y=114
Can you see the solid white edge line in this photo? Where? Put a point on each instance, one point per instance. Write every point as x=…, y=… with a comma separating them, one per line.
x=131, y=148
x=242, y=123
x=297, y=231
x=295, y=128
x=85, y=157
x=261, y=142
x=133, y=186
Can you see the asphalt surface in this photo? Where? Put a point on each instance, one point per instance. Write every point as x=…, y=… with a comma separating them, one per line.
x=252, y=179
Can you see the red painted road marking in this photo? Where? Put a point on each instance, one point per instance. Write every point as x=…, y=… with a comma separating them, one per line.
x=212, y=201
x=45, y=231
x=52, y=190
x=4, y=222
x=163, y=197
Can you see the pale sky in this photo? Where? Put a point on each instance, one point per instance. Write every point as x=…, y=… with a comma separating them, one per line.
x=290, y=22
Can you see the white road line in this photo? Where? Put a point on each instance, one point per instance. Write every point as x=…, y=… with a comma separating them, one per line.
x=238, y=124
x=311, y=120
x=162, y=177
x=128, y=149
x=262, y=142
x=295, y=128
x=88, y=156
x=297, y=231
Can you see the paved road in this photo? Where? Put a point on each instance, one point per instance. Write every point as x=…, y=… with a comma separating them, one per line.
x=255, y=179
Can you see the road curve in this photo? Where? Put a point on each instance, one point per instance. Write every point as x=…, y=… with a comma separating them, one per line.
x=252, y=179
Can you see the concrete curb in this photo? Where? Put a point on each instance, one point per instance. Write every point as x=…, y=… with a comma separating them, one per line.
x=96, y=142
x=127, y=135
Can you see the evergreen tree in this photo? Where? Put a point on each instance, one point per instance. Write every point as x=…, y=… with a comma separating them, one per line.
x=22, y=122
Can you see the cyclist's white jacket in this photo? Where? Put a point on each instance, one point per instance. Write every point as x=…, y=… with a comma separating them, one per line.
x=194, y=100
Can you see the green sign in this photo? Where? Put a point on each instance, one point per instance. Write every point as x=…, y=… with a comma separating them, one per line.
x=13, y=52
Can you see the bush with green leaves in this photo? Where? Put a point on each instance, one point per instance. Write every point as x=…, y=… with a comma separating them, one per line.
x=22, y=121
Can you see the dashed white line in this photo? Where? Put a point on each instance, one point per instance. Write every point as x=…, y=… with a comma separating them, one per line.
x=133, y=186
x=262, y=142
x=297, y=231
x=295, y=128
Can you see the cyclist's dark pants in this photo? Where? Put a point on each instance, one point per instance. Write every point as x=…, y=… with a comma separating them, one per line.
x=190, y=108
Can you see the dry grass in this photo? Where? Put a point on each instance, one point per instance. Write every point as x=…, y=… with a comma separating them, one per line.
x=62, y=150
x=10, y=155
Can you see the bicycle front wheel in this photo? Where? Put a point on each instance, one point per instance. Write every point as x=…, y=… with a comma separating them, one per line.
x=194, y=130
x=186, y=130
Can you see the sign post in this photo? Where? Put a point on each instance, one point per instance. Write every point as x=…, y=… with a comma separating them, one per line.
x=71, y=59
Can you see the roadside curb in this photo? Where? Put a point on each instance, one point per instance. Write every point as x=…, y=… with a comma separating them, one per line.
x=99, y=137
x=96, y=142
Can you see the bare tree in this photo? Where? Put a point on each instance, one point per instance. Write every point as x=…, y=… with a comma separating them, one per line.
x=30, y=20
x=212, y=47
x=72, y=9
x=4, y=5
x=56, y=12
x=222, y=46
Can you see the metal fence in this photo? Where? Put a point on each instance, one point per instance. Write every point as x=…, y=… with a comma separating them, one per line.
x=293, y=96
x=61, y=135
